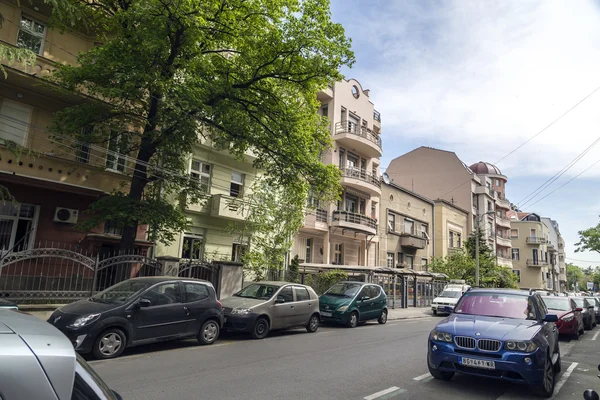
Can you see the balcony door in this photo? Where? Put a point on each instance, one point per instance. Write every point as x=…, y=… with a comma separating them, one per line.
x=353, y=122
x=532, y=233
x=351, y=203
x=535, y=257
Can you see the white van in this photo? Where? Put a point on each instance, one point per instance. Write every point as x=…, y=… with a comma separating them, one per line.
x=445, y=302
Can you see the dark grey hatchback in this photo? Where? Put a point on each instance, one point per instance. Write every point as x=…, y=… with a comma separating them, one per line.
x=141, y=311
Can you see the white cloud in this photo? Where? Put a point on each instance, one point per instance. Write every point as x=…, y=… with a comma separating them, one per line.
x=479, y=78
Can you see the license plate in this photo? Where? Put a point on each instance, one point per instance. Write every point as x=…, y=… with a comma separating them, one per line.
x=326, y=314
x=471, y=362
x=441, y=308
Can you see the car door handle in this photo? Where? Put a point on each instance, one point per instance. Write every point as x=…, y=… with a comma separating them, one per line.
x=309, y=304
x=187, y=310
x=292, y=306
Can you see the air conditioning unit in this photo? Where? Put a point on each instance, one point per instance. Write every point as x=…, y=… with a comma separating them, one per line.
x=65, y=215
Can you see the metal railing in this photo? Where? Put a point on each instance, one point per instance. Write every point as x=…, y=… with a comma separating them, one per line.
x=536, y=263
x=535, y=240
x=376, y=115
x=355, y=129
x=321, y=215
x=354, y=218
x=362, y=175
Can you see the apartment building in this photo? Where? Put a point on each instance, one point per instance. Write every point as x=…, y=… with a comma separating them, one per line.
x=346, y=233
x=214, y=220
x=553, y=260
x=407, y=239
x=562, y=265
x=440, y=174
x=52, y=179
x=450, y=228
x=529, y=238
x=493, y=196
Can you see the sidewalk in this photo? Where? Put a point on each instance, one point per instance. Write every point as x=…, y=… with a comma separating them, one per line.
x=409, y=313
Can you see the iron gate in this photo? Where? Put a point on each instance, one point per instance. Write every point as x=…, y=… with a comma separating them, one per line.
x=201, y=270
x=115, y=269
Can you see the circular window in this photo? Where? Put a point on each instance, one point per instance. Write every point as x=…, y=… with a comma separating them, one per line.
x=391, y=197
x=355, y=92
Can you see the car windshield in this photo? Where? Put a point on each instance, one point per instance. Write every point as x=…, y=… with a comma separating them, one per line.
x=557, y=303
x=344, y=289
x=453, y=294
x=258, y=291
x=120, y=293
x=501, y=305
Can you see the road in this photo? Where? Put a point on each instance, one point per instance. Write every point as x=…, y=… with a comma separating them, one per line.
x=372, y=362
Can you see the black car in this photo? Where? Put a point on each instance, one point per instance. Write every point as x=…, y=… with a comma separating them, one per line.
x=588, y=313
x=141, y=311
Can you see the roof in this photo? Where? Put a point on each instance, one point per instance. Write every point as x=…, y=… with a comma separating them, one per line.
x=403, y=189
x=451, y=205
x=485, y=168
x=517, y=215
x=275, y=283
x=500, y=290
x=155, y=279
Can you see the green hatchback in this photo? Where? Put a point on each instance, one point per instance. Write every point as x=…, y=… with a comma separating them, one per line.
x=352, y=302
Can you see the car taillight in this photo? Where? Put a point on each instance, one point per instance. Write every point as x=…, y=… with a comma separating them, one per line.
x=220, y=305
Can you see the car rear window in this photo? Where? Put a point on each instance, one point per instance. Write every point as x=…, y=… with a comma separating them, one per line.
x=301, y=294
x=502, y=305
x=557, y=303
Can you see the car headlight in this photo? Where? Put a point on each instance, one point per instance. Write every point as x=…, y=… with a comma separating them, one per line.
x=342, y=308
x=241, y=311
x=441, y=336
x=567, y=318
x=85, y=320
x=526, y=347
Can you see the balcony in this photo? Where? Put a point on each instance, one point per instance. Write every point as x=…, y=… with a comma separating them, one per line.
x=502, y=221
x=485, y=190
x=359, y=138
x=504, y=261
x=361, y=180
x=325, y=95
x=316, y=220
x=535, y=240
x=503, y=203
x=536, y=263
x=228, y=207
x=412, y=241
x=502, y=241
x=353, y=221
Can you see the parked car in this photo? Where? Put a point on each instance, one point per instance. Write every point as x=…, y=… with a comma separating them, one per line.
x=39, y=362
x=352, y=302
x=596, y=303
x=265, y=306
x=445, y=302
x=141, y=311
x=570, y=319
x=588, y=312
x=5, y=304
x=498, y=333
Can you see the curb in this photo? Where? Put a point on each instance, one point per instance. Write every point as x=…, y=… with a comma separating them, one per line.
x=401, y=318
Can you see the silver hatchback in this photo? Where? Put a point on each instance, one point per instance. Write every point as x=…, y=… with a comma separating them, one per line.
x=38, y=362
x=265, y=306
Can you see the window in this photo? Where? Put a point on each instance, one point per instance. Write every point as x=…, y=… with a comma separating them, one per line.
x=17, y=225
x=87, y=385
x=192, y=246
x=325, y=110
x=112, y=228
x=301, y=293
x=409, y=226
x=451, y=239
x=237, y=252
x=351, y=203
x=497, y=182
x=341, y=159
x=286, y=294
x=309, y=250
x=390, y=260
x=424, y=264
x=166, y=293
x=366, y=291
x=489, y=204
x=475, y=205
x=195, y=292
x=391, y=222
x=373, y=210
x=424, y=231
x=83, y=150
x=200, y=172
x=352, y=161
x=117, y=146
x=14, y=121
x=338, y=254
x=375, y=291
x=31, y=35
x=458, y=239
x=400, y=258
x=515, y=254
x=514, y=233
x=410, y=261
x=532, y=233
x=237, y=184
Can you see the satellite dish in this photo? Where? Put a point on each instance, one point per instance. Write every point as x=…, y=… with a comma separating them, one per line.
x=386, y=178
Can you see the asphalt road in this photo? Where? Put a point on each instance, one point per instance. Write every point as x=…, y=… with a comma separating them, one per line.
x=372, y=362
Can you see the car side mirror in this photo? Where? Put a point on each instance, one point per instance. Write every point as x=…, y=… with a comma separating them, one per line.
x=551, y=318
x=144, y=303
x=590, y=307
x=590, y=395
x=579, y=309
x=279, y=301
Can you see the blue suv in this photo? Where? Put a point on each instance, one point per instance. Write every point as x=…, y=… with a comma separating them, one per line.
x=498, y=333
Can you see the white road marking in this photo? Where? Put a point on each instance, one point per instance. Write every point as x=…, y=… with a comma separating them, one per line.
x=563, y=379
x=421, y=377
x=596, y=335
x=381, y=393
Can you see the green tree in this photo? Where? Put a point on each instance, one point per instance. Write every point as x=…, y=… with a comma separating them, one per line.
x=574, y=274
x=322, y=281
x=589, y=240
x=242, y=75
x=484, y=247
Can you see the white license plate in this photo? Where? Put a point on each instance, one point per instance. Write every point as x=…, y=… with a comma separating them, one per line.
x=326, y=314
x=471, y=362
x=441, y=307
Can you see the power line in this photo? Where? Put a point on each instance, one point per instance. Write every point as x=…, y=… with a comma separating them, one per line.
x=585, y=261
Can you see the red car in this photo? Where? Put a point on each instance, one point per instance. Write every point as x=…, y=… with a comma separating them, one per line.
x=570, y=320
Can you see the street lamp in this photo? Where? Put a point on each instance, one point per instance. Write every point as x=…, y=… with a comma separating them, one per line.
x=478, y=219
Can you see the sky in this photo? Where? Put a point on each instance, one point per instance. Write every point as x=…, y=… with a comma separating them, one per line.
x=480, y=78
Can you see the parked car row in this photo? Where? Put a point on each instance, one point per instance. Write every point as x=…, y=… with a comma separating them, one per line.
x=154, y=309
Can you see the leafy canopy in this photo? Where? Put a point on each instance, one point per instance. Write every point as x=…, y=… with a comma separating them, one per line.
x=589, y=240
x=242, y=75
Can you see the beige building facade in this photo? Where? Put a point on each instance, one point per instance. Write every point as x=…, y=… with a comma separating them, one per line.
x=346, y=233
x=562, y=265
x=530, y=259
x=450, y=228
x=407, y=241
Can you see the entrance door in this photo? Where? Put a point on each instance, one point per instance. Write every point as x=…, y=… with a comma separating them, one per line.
x=164, y=317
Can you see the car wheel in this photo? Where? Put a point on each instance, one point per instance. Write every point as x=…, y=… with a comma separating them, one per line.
x=441, y=375
x=109, y=344
x=547, y=386
x=209, y=333
x=383, y=317
x=261, y=328
x=352, y=320
x=313, y=323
